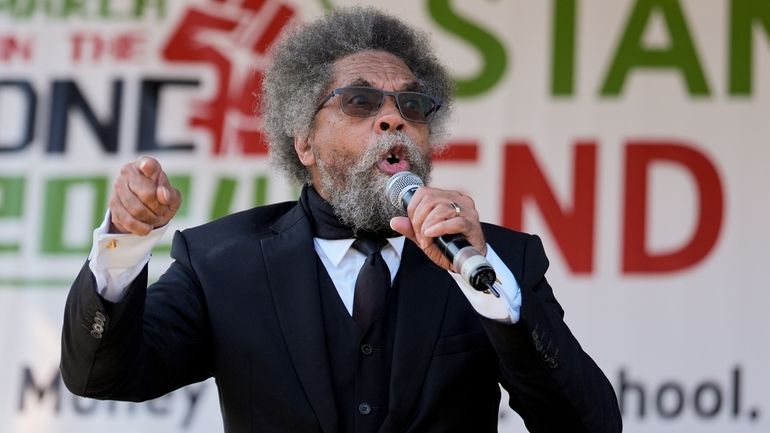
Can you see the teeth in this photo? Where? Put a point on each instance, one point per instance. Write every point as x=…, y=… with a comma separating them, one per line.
x=392, y=158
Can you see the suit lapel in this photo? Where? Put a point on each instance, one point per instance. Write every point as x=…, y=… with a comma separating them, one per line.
x=422, y=296
x=290, y=260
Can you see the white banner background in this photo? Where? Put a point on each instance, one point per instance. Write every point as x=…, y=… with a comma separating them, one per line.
x=685, y=348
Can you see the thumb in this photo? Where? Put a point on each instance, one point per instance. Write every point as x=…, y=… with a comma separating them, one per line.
x=167, y=195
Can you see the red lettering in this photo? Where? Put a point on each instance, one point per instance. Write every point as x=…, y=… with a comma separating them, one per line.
x=571, y=225
x=640, y=156
x=126, y=46
x=14, y=47
x=94, y=47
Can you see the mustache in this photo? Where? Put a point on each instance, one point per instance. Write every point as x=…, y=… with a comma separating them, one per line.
x=356, y=186
x=383, y=144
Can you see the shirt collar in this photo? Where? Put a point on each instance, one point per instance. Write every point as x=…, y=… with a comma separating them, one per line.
x=335, y=249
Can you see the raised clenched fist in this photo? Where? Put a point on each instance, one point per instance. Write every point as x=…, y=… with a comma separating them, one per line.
x=142, y=198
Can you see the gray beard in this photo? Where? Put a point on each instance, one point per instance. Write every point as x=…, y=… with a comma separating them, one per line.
x=356, y=188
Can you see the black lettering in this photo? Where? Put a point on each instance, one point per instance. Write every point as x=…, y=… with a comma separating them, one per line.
x=736, y=391
x=676, y=409
x=29, y=385
x=66, y=95
x=84, y=406
x=149, y=97
x=716, y=400
x=625, y=387
x=28, y=128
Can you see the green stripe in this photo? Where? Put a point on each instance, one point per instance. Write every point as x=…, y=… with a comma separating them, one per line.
x=32, y=283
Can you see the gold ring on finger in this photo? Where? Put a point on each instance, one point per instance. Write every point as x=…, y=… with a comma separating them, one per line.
x=456, y=208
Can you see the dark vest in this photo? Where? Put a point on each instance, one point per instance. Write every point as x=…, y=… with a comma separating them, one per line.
x=360, y=359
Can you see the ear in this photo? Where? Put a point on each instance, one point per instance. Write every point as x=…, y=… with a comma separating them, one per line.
x=303, y=149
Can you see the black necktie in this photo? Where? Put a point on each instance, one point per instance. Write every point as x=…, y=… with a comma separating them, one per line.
x=372, y=283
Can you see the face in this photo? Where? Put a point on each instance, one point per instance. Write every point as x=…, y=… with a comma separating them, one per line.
x=351, y=158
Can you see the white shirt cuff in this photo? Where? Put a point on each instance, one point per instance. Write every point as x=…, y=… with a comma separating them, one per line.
x=507, y=307
x=116, y=259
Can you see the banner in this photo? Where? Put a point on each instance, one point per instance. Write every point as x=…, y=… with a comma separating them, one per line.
x=632, y=135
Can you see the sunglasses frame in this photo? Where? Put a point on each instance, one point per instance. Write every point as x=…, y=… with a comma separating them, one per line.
x=384, y=93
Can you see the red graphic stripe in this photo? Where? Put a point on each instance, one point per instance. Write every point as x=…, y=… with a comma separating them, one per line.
x=279, y=21
x=462, y=151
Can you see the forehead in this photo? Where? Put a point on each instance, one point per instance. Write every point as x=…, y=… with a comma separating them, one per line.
x=378, y=68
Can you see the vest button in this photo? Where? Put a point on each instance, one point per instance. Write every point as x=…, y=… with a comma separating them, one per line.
x=366, y=349
x=364, y=409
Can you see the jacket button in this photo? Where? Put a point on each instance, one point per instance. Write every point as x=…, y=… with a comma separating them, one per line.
x=538, y=346
x=364, y=409
x=96, y=334
x=534, y=333
x=552, y=363
x=366, y=349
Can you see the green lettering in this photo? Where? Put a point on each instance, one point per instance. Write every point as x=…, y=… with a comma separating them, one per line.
x=327, y=5
x=679, y=55
x=72, y=7
x=223, y=197
x=105, y=9
x=491, y=50
x=23, y=8
x=142, y=6
x=11, y=205
x=564, y=38
x=56, y=211
x=182, y=182
x=121, y=9
x=743, y=14
x=225, y=192
x=260, y=191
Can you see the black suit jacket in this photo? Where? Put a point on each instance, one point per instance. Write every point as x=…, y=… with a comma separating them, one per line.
x=241, y=303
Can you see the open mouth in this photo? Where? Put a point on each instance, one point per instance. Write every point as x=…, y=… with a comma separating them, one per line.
x=394, y=161
x=393, y=158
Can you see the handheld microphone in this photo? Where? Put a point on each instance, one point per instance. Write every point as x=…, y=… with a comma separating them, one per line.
x=466, y=260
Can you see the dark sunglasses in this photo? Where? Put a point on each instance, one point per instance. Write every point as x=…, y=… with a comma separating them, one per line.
x=367, y=101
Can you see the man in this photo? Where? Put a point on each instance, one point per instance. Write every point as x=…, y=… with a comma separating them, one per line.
x=277, y=302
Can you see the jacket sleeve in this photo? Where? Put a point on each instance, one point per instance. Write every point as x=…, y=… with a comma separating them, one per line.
x=153, y=341
x=553, y=384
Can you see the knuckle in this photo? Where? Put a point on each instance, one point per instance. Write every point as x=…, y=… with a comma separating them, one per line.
x=145, y=195
x=138, y=211
x=137, y=227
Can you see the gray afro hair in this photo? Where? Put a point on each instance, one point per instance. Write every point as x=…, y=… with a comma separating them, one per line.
x=301, y=72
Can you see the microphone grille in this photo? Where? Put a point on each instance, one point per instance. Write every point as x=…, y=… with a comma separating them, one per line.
x=400, y=183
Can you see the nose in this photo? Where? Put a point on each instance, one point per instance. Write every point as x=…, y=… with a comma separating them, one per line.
x=389, y=118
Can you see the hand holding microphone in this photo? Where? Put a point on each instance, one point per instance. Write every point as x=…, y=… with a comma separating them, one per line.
x=445, y=225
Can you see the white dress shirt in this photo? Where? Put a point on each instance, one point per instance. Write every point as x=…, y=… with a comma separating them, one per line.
x=116, y=260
